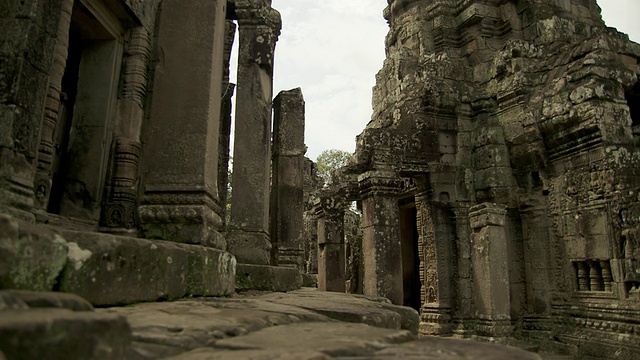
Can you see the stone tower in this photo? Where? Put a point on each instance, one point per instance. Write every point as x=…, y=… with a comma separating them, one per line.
x=499, y=177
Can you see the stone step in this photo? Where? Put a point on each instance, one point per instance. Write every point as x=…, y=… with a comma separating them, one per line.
x=55, y=333
x=107, y=269
x=36, y=325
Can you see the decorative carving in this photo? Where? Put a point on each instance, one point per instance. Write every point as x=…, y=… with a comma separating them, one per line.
x=136, y=62
x=120, y=210
x=52, y=107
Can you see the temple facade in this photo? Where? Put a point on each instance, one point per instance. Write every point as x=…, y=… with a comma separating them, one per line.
x=115, y=120
x=499, y=177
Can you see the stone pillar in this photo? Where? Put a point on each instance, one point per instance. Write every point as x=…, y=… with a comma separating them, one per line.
x=225, y=118
x=259, y=27
x=489, y=256
x=435, y=265
x=119, y=214
x=287, y=206
x=180, y=165
x=46, y=147
x=381, y=246
x=329, y=210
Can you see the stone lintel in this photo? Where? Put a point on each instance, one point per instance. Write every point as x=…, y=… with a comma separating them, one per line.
x=267, y=278
x=487, y=214
x=379, y=182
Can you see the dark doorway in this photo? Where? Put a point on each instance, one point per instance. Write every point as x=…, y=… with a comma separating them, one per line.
x=633, y=100
x=410, y=258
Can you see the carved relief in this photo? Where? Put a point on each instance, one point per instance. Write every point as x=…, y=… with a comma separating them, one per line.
x=51, y=109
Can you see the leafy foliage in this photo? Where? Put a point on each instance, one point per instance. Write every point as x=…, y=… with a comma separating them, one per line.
x=331, y=160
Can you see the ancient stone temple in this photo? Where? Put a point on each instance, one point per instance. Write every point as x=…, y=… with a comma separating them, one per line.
x=115, y=121
x=499, y=177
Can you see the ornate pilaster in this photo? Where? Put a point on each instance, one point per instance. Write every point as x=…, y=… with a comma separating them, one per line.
x=259, y=27
x=119, y=214
x=47, y=146
x=329, y=209
x=381, y=245
x=434, y=249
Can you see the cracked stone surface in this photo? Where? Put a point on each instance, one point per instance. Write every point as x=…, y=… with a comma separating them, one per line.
x=303, y=324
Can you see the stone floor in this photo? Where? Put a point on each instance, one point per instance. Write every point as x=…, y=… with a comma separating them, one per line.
x=303, y=324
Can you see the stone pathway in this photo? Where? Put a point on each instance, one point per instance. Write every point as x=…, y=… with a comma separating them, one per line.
x=303, y=324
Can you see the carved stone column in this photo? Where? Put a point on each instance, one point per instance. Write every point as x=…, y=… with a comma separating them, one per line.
x=46, y=148
x=381, y=246
x=489, y=255
x=287, y=206
x=329, y=210
x=120, y=211
x=180, y=165
x=435, y=265
x=259, y=27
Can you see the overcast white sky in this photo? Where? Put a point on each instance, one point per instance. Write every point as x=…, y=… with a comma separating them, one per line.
x=332, y=49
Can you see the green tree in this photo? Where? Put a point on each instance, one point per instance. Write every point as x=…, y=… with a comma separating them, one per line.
x=330, y=160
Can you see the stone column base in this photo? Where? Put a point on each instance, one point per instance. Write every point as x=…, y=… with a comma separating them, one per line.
x=249, y=247
x=190, y=224
x=494, y=328
x=267, y=278
x=435, y=321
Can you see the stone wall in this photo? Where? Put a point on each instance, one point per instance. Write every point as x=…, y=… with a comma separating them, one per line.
x=110, y=121
x=529, y=106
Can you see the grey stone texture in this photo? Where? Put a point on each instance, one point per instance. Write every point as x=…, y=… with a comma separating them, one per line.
x=31, y=257
x=58, y=326
x=180, y=167
x=287, y=184
x=267, y=278
x=108, y=269
x=502, y=154
x=259, y=27
x=303, y=324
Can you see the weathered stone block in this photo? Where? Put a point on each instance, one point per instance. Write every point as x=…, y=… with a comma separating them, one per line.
x=487, y=214
x=109, y=270
x=249, y=247
x=493, y=177
x=491, y=156
x=267, y=278
x=31, y=257
x=21, y=299
x=63, y=334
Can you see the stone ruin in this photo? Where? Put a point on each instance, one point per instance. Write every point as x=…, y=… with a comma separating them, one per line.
x=116, y=119
x=499, y=177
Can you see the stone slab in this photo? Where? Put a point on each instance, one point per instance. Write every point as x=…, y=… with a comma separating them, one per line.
x=372, y=311
x=31, y=256
x=267, y=278
x=453, y=349
x=334, y=339
x=167, y=329
x=271, y=354
x=21, y=299
x=62, y=334
x=111, y=270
